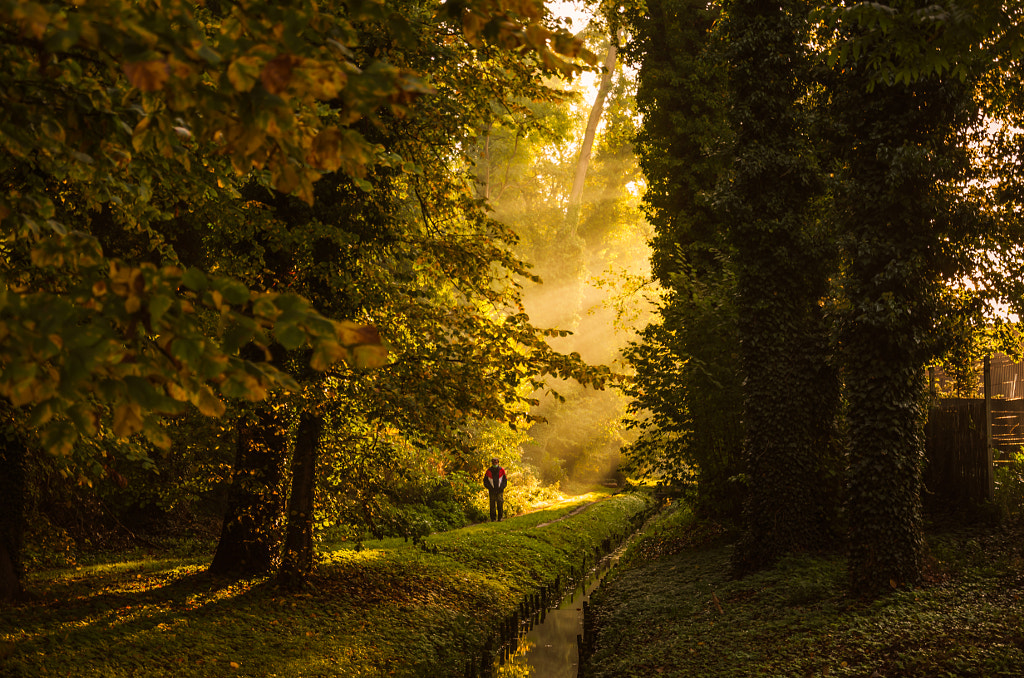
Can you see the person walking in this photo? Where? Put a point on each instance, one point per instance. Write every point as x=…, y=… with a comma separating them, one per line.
x=495, y=481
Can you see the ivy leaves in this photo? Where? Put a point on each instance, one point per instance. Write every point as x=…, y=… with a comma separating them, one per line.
x=902, y=42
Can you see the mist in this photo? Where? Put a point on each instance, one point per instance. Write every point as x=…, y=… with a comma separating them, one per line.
x=578, y=444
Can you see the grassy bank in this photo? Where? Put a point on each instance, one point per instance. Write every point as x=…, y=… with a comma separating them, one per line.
x=389, y=609
x=671, y=609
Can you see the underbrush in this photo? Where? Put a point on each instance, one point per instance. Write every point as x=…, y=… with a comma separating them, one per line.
x=673, y=610
x=382, y=608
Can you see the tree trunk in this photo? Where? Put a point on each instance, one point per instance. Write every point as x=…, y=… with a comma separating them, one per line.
x=12, y=513
x=568, y=255
x=791, y=392
x=886, y=451
x=904, y=148
x=596, y=111
x=297, y=560
x=251, y=534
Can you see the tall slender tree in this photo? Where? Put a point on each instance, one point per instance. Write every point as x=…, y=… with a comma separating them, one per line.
x=408, y=249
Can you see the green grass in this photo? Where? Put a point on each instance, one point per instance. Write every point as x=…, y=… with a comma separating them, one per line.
x=658, y=613
x=390, y=609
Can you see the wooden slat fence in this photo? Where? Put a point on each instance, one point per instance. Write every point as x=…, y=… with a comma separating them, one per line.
x=956, y=467
x=1007, y=380
x=1007, y=427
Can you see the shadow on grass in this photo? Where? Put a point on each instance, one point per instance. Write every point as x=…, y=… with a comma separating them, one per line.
x=366, y=613
x=194, y=624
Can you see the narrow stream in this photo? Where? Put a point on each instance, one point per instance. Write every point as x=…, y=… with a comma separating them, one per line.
x=549, y=650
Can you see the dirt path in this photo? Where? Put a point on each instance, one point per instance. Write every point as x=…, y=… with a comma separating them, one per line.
x=567, y=515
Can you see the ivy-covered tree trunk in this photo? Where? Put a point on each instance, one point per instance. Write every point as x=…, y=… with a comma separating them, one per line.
x=886, y=387
x=791, y=390
x=906, y=164
x=297, y=559
x=687, y=386
x=251, y=535
x=12, y=512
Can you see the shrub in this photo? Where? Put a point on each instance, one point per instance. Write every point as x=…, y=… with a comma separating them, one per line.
x=1009, y=495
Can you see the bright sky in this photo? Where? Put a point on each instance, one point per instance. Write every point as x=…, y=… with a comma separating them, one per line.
x=575, y=11
x=579, y=14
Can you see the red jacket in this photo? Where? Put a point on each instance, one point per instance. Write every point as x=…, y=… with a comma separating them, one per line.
x=494, y=479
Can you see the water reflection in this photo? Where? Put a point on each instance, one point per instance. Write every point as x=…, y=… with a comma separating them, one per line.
x=549, y=650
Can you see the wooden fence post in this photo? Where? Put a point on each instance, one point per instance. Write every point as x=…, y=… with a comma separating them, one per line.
x=990, y=471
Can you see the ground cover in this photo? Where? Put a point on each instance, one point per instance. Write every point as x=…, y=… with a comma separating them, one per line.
x=671, y=609
x=390, y=608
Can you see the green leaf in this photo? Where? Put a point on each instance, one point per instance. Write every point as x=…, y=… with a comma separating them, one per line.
x=234, y=292
x=159, y=304
x=244, y=72
x=188, y=351
x=196, y=280
x=289, y=335
x=240, y=333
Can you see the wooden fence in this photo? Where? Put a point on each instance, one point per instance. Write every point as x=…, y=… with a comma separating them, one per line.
x=967, y=436
x=1005, y=380
x=956, y=472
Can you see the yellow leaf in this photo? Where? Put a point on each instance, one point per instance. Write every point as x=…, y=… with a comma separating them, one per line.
x=177, y=392
x=33, y=18
x=244, y=71
x=208, y=403
x=326, y=354
x=326, y=150
x=369, y=357
x=304, y=191
x=286, y=178
x=180, y=69
x=325, y=80
x=256, y=392
x=147, y=76
x=158, y=437
x=53, y=129
x=352, y=334
x=127, y=419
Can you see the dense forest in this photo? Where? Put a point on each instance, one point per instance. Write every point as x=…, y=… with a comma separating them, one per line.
x=305, y=269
